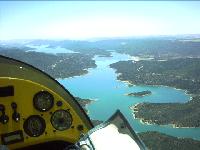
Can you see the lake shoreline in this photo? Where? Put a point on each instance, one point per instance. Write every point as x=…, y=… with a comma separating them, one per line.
x=130, y=84
x=134, y=109
x=84, y=102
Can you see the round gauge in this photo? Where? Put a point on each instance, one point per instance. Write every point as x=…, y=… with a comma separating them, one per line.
x=34, y=126
x=43, y=101
x=61, y=120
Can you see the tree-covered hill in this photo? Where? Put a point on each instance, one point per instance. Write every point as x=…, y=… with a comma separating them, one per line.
x=179, y=114
x=58, y=66
x=178, y=73
x=159, y=141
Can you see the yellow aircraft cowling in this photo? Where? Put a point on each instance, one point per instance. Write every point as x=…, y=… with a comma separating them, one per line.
x=34, y=108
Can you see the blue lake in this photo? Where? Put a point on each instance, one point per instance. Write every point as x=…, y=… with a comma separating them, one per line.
x=102, y=85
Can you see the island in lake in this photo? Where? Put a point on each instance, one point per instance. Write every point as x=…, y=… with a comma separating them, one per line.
x=139, y=94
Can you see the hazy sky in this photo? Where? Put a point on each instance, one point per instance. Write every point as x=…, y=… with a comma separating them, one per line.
x=86, y=19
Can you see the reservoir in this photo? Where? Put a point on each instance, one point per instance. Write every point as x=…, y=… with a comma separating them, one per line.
x=101, y=85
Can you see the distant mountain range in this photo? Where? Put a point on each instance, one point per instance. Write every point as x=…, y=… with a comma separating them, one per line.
x=159, y=47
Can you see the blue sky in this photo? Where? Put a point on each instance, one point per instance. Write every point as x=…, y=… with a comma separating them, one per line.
x=86, y=19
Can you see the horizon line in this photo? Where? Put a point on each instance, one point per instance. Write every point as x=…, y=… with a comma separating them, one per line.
x=109, y=37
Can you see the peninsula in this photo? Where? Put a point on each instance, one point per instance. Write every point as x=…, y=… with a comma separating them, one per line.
x=84, y=102
x=177, y=114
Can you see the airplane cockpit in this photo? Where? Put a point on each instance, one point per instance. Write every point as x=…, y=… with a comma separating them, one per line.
x=37, y=112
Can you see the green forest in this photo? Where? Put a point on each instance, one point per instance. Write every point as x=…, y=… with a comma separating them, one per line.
x=58, y=66
x=160, y=141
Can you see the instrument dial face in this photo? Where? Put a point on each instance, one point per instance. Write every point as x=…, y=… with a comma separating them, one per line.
x=34, y=126
x=61, y=120
x=43, y=101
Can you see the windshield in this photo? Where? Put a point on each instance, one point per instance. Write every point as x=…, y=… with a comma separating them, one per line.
x=142, y=58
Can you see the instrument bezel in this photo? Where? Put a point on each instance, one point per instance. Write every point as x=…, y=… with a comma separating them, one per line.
x=68, y=114
x=42, y=121
x=36, y=105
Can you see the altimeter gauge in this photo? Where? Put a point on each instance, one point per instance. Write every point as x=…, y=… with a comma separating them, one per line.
x=43, y=101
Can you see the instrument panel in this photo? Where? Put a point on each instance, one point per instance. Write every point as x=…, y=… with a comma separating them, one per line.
x=31, y=113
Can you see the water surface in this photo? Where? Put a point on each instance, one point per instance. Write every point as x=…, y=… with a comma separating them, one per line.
x=102, y=85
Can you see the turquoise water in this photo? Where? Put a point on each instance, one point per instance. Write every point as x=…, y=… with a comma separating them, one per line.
x=101, y=84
